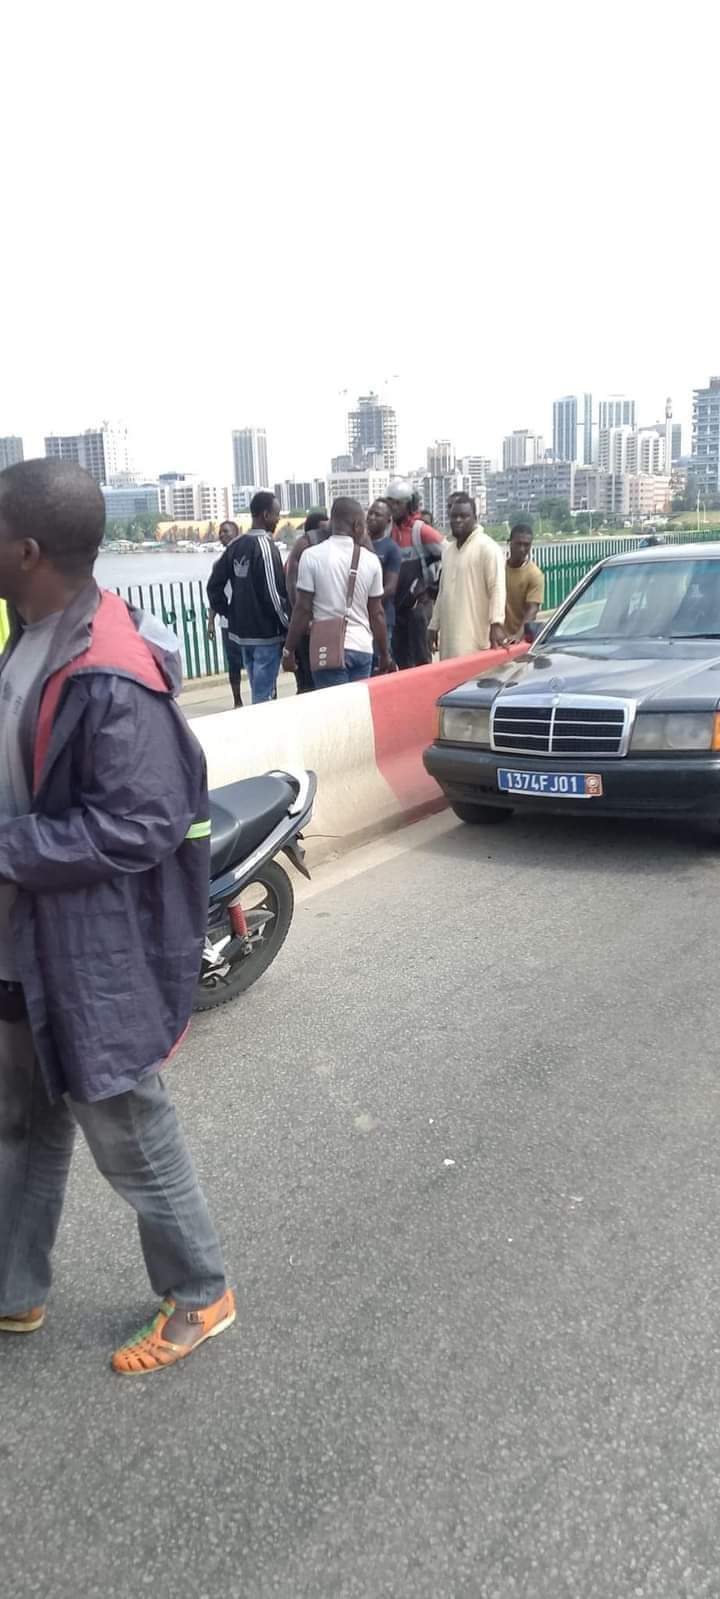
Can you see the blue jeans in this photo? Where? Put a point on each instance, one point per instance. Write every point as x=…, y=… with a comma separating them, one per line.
x=136, y=1143
x=262, y=664
x=357, y=665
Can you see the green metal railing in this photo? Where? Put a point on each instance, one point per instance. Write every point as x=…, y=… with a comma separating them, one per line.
x=184, y=608
x=564, y=564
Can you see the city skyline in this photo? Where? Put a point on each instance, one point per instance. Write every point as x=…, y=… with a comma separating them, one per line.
x=255, y=440
x=614, y=466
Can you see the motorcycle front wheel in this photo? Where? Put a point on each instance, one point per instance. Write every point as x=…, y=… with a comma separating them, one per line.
x=268, y=902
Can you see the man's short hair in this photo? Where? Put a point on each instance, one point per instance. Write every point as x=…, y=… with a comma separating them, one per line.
x=521, y=527
x=312, y=522
x=229, y=523
x=345, y=513
x=60, y=506
x=462, y=498
x=261, y=502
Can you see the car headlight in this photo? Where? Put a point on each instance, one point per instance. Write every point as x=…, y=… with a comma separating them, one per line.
x=463, y=725
x=678, y=730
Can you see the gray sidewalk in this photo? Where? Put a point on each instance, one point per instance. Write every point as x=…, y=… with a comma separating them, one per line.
x=203, y=696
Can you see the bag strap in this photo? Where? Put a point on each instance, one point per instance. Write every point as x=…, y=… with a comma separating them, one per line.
x=352, y=579
x=417, y=539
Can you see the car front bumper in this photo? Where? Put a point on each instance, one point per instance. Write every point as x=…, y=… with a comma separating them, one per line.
x=670, y=786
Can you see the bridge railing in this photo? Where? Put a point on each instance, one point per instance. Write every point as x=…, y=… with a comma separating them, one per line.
x=564, y=563
x=183, y=606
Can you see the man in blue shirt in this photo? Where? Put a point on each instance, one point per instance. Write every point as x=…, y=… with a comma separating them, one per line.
x=389, y=556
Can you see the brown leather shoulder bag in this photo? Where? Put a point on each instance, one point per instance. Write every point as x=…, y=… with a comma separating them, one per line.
x=327, y=639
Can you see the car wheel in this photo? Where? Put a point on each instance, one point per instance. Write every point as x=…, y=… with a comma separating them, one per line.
x=482, y=815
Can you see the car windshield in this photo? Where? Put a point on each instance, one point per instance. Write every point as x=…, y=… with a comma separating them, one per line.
x=652, y=599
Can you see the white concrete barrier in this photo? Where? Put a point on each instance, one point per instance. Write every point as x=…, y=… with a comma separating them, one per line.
x=364, y=741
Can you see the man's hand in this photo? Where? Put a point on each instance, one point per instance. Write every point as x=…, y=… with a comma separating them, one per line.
x=498, y=637
x=386, y=664
x=288, y=661
x=433, y=639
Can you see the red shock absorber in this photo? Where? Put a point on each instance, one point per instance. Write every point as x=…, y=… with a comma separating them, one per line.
x=238, y=921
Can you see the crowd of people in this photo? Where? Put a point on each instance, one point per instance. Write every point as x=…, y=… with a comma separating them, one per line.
x=365, y=593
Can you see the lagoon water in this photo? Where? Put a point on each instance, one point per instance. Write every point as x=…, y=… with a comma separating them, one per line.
x=124, y=571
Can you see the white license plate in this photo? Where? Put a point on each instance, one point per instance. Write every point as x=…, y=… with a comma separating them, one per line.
x=554, y=785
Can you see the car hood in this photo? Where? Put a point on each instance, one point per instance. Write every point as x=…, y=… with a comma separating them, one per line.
x=688, y=671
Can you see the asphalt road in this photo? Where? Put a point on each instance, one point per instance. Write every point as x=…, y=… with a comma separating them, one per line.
x=462, y=1145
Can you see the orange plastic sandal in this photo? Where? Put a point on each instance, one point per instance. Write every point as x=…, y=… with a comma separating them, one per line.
x=29, y=1321
x=149, y=1350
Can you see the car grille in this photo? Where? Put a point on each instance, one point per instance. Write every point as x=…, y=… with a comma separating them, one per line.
x=560, y=727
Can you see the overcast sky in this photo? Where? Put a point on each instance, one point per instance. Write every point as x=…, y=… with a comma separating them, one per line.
x=213, y=218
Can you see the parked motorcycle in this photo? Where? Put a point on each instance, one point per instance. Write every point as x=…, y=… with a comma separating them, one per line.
x=251, y=895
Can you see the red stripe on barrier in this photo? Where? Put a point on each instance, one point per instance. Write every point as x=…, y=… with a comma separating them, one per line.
x=402, y=707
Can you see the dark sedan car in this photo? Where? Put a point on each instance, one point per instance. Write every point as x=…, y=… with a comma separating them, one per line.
x=615, y=710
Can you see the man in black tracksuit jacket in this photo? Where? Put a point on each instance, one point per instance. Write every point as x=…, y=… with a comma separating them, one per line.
x=257, y=611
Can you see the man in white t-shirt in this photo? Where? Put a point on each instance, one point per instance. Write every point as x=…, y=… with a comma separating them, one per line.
x=322, y=586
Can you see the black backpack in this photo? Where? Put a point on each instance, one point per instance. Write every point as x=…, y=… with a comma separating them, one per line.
x=419, y=571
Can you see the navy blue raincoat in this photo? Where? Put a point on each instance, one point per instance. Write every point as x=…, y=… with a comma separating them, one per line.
x=112, y=863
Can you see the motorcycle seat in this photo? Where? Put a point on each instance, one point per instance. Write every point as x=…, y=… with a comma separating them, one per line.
x=242, y=815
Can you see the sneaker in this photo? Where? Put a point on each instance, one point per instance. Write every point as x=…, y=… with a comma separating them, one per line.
x=151, y=1350
x=28, y=1321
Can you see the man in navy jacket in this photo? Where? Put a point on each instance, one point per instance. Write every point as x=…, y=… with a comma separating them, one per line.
x=104, y=843
x=257, y=611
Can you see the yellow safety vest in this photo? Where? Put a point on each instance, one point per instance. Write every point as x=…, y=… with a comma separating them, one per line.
x=4, y=625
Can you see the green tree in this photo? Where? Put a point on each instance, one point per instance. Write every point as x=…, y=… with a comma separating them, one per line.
x=557, y=514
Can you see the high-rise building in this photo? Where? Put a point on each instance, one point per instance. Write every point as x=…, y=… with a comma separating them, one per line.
x=296, y=494
x=362, y=485
x=620, y=494
x=646, y=450
x=522, y=487
x=103, y=451
x=440, y=458
x=476, y=467
x=651, y=447
x=572, y=428
x=186, y=498
x=635, y=495
x=341, y=463
x=705, y=448
x=11, y=451
x=133, y=500
x=435, y=493
x=250, y=457
x=372, y=434
x=522, y=448
x=617, y=411
x=242, y=494
x=618, y=448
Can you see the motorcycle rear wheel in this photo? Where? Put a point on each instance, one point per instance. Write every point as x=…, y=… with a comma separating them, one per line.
x=279, y=899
